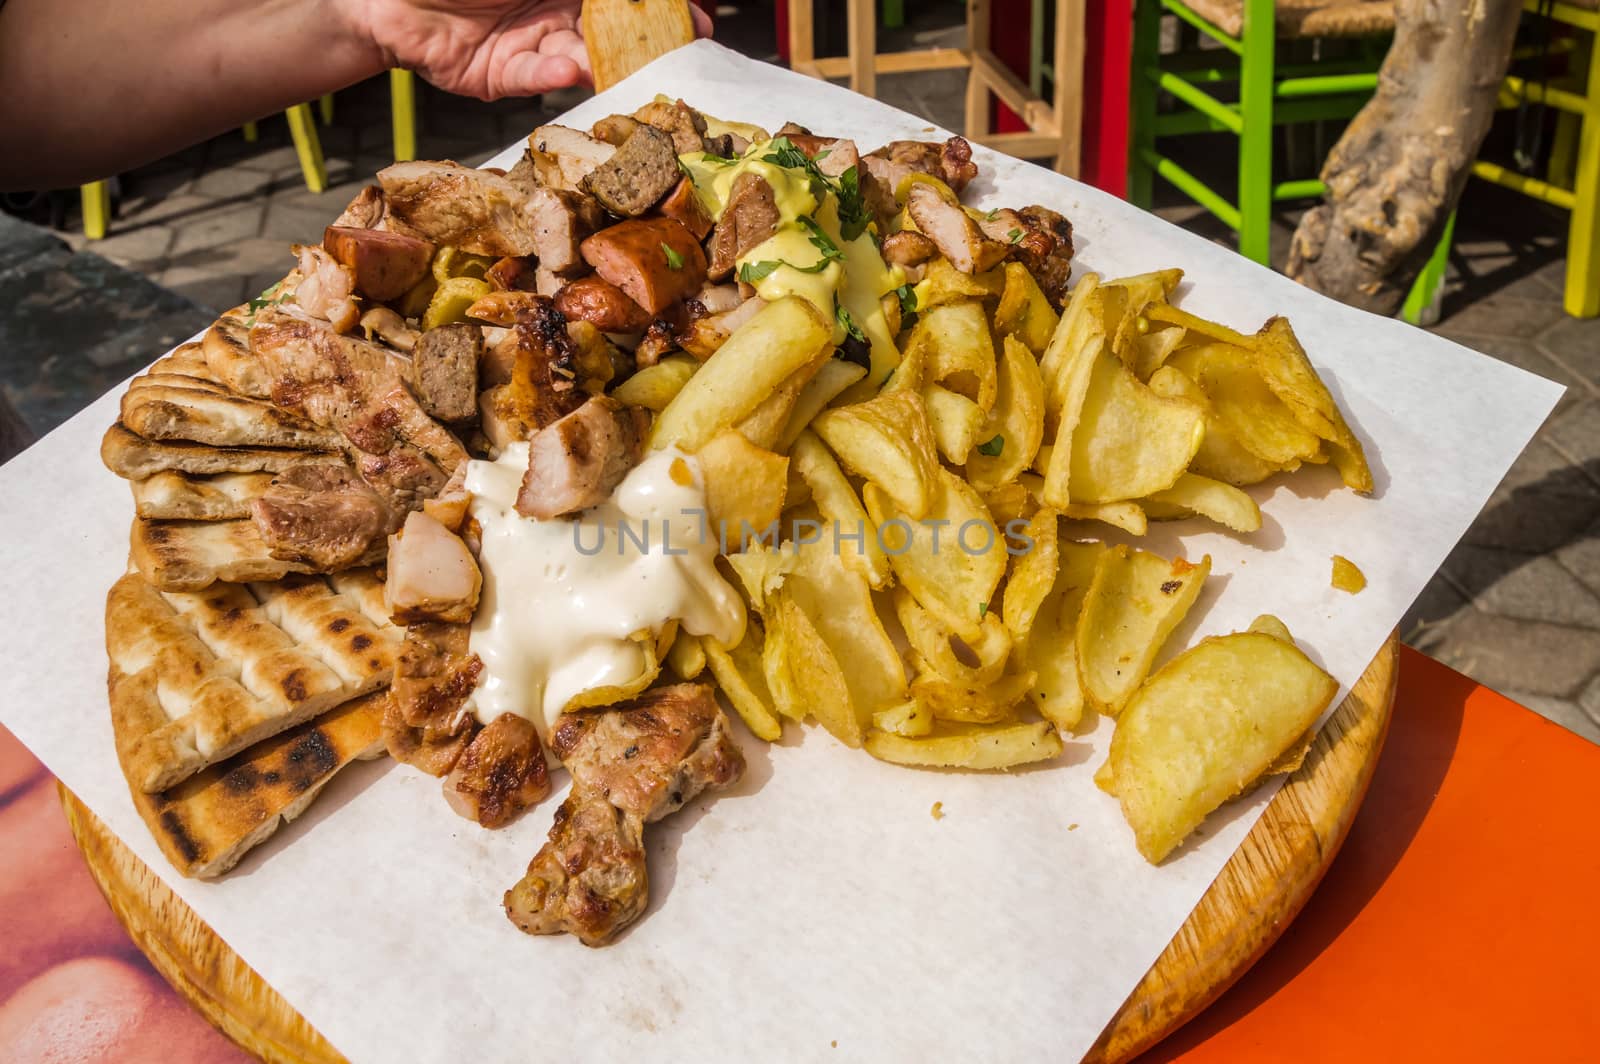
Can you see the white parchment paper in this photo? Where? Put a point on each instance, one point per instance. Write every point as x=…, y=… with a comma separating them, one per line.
x=819, y=902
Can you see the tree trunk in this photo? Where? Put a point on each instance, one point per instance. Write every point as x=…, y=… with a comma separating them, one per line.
x=1396, y=174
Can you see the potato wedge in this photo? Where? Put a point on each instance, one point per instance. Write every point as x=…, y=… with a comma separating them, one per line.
x=1221, y=456
x=1032, y=576
x=1129, y=442
x=842, y=509
x=1135, y=601
x=655, y=386
x=966, y=704
x=826, y=385
x=1010, y=437
x=1024, y=312
x=740, y=675
x=1128, y=516
x=1246, y=406
x=839, y=604
x=1292, y=378
x=974, y=748
x=761, y=570
x=803, y=675
x=1206, y=727
x=888, y=441
x=1079, y=344
x=957, y=349
x=910, y=718
x=951, y=559
x=944, y=654
x=1051, y=650
x=956, y=422
x=756, y=359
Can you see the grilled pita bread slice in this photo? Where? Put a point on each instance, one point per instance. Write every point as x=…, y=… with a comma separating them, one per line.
x=208, y=822
x=197, y=677
x=186, y=360
x=226, y=346
x=193, y=555
x=181, y=497
x=170, y=407
x=131, y=456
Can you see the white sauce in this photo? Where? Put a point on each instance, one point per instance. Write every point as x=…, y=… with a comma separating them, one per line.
x=561, y=597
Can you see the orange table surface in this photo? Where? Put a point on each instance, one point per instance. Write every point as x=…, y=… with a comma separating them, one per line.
x=1460, y=922
x=1461, y=919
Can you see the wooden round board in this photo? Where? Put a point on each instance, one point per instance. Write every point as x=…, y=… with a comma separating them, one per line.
x=1260, y=890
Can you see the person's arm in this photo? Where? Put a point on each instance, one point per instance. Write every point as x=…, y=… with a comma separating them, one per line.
x=91, y=87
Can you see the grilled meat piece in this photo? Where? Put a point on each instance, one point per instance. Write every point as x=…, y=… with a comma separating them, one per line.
x=683, y=206
x=704, y=335
x=385, y=265
x=589, y=879
x=602, y=304
x=402, y=475
x=562, y=220
x=614, y=129
x=951, y=162
x=573, y=153
x=533, y=372
x=908, y=248
x=655, y=260
x=500, y=774
x=650, y=755
x=749, y=219
x=657, y=343
x=575, y=463
x=444, y=370
x=637, y=176
x=427, y=726
x=512, y=274
x=365, y=211
x=682, y=123
x=446, y=203
x=1046, y=250
x=432, y=575
x=321, y=514
x=953, y=232
x=327, y=288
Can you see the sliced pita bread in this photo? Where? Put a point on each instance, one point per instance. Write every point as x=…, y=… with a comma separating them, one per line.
x=133, y=457
x=227, y=352
x=170, y=407
x=197, y=677
x=181, y=497
x=209, y=821
x=187, y=360
x=193, y=555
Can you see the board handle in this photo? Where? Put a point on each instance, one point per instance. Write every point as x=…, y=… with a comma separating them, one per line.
x=624, y=35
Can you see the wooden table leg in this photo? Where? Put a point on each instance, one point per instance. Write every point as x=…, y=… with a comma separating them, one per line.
x=1068, y=102
x=978, y=39
x=864, y=46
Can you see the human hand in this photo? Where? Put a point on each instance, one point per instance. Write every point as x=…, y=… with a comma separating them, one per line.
x=483, y=48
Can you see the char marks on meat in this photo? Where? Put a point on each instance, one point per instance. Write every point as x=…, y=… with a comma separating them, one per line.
x=601, y=304
x=446, y=203
x=500, y=774
x=951, y=162
x=633, y=763
x=577, y=462
x=908, y=248
x=678, y=120
x=1046, y=250
x=533, y=373
x=427, y=725
x=641, y=172
x=321, y=514
x=749, y=220
x=589, y=879
x=953, y=231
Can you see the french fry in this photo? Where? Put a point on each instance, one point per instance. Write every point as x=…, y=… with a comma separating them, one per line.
x=826, y=385
x=1011, y=435
x=1194, y=494
x=1051, y=649
x=740, y=675
x=976, y=748
x=838, y=602
x=955, y=420
x=803, y=675
x=1134, y=602
x=1024, y=312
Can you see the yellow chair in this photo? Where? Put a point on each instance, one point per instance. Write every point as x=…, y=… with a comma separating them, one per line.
x=96, y=196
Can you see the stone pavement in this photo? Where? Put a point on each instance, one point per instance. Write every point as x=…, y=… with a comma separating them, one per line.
x=1517, y=606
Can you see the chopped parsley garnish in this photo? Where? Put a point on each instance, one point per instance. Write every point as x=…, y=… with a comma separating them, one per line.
x=755, y=272
x=855, y=348
x=712, y=157
x=786, y=155
x=821, y=240
x=908, y=298
x=852, y=330
x=983, y=609
x=1016, y=235
x=674, y=260
x=853, y=213
x=992, y=215
x=995, y=446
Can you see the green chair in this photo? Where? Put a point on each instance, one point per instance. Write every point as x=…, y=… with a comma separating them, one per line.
x=1269, y=93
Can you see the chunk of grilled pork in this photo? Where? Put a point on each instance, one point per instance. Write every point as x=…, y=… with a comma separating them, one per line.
x=577, y=462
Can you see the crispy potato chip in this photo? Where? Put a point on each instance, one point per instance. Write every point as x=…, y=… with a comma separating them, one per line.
x=655, y=386
x=945, y=654
x=740, y=675
x=1137, y=294
x=1152, y=349
x=965, y=704
x=1011, y=502
x=1347, y=576
x=839, y=604
x=956, y=422
x=910, y=718
x=1129, y=442
x=803, y=675
x=957, y=350
x=888, y=441
x=1245, y=406
x=1206, y=727
x=1032, y=576
x=761, y=570
x=943, y=284
x=1010, y=437
x=839, y=505
x=826, y=385
x=1135, y=601
x=1024, y=312
x=1171, y=315
x=1289, y=373
x=765, y=425
x=974, y=748
x=951, y=559
x=757, y=358
x=744, y=486
x=1222, y=503
x=1128, y=516
x=1078, y=345
x=610, y=694
x=1052, y=650
x=1221, y=456
x=687, y=657
x=1267, y=624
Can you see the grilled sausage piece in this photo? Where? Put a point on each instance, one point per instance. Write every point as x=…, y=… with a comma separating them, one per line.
x=444, y=371
x=386, y=265
x=644, y=169
x=684, y=207
x=601, y=304
x=656, y=261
